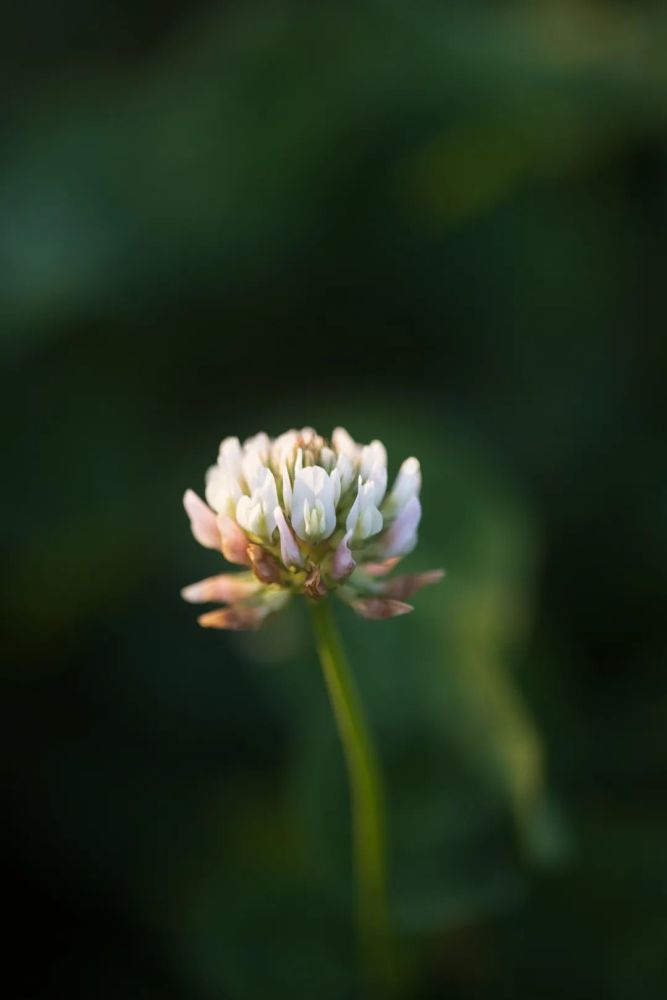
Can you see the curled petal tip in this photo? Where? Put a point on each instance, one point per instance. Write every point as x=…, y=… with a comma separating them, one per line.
x=192, y=593
x=378, y=608
x=237, y=618
x=381, y=568
x=227, y=588
x=405, y=586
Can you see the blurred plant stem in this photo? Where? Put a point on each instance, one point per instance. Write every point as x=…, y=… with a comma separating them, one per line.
x=367, y=801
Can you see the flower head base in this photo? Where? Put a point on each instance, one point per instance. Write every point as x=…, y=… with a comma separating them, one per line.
x=306, y=516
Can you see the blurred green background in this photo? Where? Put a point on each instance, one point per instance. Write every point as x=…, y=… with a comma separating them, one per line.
x=441, y=224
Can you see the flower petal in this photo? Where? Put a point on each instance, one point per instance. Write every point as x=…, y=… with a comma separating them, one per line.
x=381, y=568
x=238, y=618
x=364, y=519
x=287, y=490
x=289, y=550
x=202, y=521
x=401, y=536
x=226, y=588
x=343, y=560
x=407, y=485
x=344, y=444
x=373, y=468
x=249, y=515
x=234, y=542
x=314, y=503
x=404, y=586
x=378, y=608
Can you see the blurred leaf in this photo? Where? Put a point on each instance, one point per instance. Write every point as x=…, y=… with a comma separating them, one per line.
x=228, y=148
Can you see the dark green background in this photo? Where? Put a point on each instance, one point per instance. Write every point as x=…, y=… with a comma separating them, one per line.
x=441, y=224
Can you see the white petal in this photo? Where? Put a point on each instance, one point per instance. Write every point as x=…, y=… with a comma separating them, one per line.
x=407, y=484
x=287, y=490
x=334, y=478
x=222, y=489
x=283, y=450
x=378, y=479
x=250, y=516
x=313, y=506
x=372, y=455
x=230, y=454
x=345, y=445
x=300, y=498
x=253, y=467
x=259, y=444
x=373, y=469
x=370, y=521
x=353, y=515
x=327, y=459
x=401, y=536
x=289, y=550
x=346, y=471
x=267, y=494
x=364, y=519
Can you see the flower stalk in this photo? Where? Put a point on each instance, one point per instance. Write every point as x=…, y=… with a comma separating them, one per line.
x=367, y=799
x=308, y=517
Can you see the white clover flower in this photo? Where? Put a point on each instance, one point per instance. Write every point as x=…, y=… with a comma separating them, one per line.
x=306, y=516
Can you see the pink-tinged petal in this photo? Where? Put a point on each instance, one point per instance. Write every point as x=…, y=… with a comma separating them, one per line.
x=378, y=608
x=233, y=541
x=404, y=586
x=401, y=536
x=237, y=618
x=343, y=560
x=264, y=566
x=225, y=589
x=290, y=552
x=202, y=521
x=381, y=568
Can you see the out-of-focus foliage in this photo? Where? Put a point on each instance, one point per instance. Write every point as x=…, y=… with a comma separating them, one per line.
x=439, y=224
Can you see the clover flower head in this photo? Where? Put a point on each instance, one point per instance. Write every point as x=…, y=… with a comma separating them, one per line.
x=308, y=516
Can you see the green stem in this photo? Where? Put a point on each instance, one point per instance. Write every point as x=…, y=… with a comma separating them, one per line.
x=366, y=795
